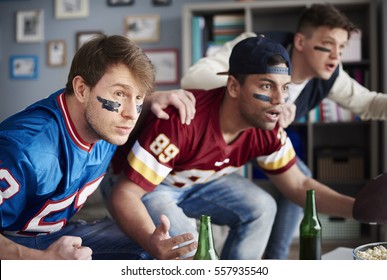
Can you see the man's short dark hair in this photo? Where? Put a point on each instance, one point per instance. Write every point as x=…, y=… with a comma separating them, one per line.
x=319, y=15
x=100, y=53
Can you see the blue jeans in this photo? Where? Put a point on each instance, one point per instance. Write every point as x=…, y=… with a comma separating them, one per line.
x=285, y=224
x=104, y=237
x=232, y=200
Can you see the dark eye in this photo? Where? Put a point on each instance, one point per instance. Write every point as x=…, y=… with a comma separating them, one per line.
x=140, y=98
x=327, y=44
x=120, y=93
x=266, y=86
x=341, y=50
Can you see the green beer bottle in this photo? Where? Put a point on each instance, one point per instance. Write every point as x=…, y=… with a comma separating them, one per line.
x=310, y=230
x=206, y=249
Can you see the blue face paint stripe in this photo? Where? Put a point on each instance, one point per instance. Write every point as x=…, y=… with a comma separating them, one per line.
x=262, y=97
x=265, y=98
x=109, y=105
x=139, y=108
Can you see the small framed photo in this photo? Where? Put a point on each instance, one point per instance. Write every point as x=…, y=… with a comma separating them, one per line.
x=84, y=36
x=56, y=53
x=161, y=2
x=69, y=9
x=23, y=66
x=30, y=26
x=166, y=65
x=120, y=2
x=143, y=28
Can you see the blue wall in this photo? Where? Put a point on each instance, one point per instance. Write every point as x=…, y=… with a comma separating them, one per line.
x=17, y=94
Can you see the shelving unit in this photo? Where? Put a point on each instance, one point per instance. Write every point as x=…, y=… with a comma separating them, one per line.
x=265, y=16
x=383, y=72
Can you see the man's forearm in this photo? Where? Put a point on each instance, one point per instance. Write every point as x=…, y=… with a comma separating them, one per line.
x=131, y=215
x=13, y=251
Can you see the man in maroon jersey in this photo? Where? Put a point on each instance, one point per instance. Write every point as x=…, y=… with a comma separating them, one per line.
x=181, y=172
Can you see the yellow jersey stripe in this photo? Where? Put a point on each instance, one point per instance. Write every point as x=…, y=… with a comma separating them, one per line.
x=278, y=159
x=145, y=164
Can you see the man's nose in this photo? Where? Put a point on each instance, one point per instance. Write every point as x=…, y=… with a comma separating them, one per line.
x=279, y=97
x=335, y=52
x=129, y=110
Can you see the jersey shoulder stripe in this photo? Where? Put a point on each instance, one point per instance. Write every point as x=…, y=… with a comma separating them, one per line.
x=144, y=163
x=70, y=126
x=278, y=159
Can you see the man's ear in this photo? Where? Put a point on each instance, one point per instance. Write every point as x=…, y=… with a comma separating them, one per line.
x=80, y=88
x=299, y=41
x=233, y=86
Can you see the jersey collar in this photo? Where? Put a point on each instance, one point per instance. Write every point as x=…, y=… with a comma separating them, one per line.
x=82, y=144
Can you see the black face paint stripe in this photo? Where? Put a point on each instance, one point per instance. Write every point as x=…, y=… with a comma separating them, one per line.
x=109, y=105
x=322, y=49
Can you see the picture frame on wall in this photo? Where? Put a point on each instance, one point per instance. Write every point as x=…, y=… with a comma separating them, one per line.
x=166, y=63
x=83, y=36
x=120, y=2
x=30, y=26
x=56, y=53
x=24, y=66
x=143, y=28
x=70, y=9
x=161, y=2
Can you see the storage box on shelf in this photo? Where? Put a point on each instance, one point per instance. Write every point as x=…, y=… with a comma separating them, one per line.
x=340, y=165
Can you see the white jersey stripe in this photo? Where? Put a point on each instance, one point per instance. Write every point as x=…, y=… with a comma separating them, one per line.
x=150, y=161
x=279, y=158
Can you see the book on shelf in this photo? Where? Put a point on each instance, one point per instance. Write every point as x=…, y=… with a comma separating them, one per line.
x=211, y=32
x=198, y=25
x=352, y=52
x=226, y=27
x=329, y=112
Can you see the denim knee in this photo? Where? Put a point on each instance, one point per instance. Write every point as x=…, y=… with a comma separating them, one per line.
x=263, y=207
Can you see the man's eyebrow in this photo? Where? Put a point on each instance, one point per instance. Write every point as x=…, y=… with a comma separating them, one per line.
x=270, y=81
x=125, y=86
x=267, y=80
x=333, y=40
x=328, y=38
x=273, y=82
x=129, y=88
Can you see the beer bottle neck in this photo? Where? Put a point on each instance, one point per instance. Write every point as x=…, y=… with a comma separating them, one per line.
x=310, y=204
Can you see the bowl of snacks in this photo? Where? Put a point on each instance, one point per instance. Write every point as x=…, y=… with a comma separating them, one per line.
x=371, y=251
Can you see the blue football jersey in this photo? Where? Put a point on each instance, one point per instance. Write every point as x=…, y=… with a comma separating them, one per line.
x=46, y=170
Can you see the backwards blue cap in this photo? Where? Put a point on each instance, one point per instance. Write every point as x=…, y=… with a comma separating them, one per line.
x=251, y=55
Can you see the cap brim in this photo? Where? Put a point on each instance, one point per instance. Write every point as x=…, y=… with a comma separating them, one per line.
x=223, y=73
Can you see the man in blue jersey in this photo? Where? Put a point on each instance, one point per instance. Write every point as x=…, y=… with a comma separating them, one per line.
x=321, y=36
x=54, y=154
